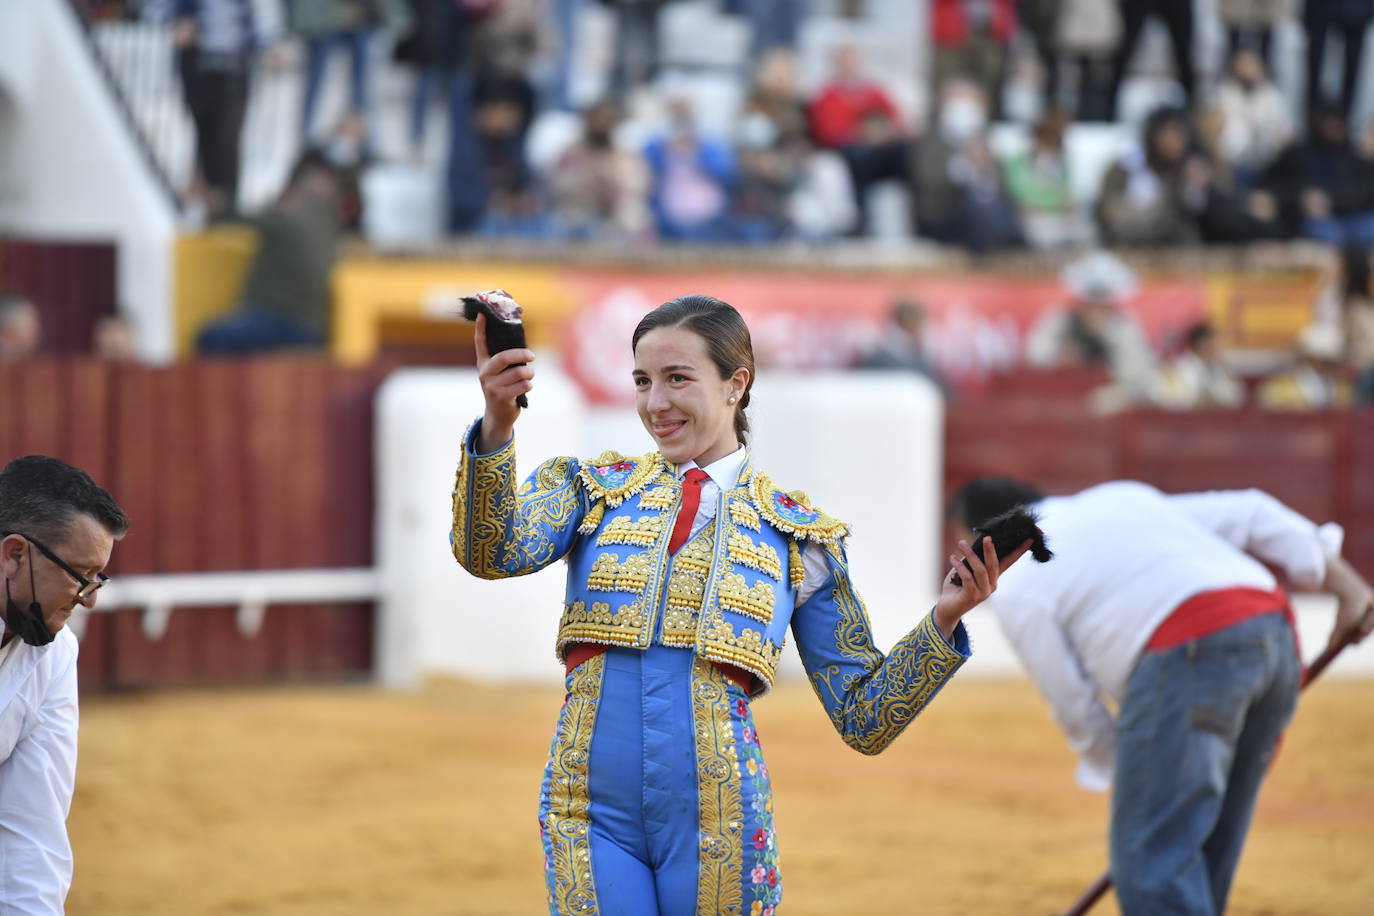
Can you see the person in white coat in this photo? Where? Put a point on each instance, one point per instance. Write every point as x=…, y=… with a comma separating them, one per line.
x=1162, y=605
x=57, y=529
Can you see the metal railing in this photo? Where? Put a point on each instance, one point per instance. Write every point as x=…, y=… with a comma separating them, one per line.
x=250, y=591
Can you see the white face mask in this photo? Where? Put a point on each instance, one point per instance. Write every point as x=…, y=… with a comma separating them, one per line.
x=757, y=131
x=961, y=120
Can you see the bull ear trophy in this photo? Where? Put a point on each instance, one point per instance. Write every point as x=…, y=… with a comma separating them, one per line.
x=505, y=327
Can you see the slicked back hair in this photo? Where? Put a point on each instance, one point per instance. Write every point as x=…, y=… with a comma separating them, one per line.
x=41, y=497
x=727, y=339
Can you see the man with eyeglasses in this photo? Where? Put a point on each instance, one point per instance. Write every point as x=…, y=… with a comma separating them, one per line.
x=57, y=528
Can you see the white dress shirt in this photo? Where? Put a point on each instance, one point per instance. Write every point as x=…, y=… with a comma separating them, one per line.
x=38, y=724
x=723, y=473
x=1127, y=555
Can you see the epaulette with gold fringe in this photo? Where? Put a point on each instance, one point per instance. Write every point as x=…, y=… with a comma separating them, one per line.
x=611, y=478
x=792, y=513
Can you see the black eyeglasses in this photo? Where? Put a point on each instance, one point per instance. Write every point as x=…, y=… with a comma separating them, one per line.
x=87, y=587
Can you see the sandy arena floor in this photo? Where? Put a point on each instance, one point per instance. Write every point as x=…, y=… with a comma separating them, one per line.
x=312, y=801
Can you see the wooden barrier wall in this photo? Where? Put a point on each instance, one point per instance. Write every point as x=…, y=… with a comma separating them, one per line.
x=262, y=464
x=267, y=464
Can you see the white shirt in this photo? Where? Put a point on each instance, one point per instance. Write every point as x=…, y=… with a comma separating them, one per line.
x=1126, y=556
x=38, y=724
x=722, y=474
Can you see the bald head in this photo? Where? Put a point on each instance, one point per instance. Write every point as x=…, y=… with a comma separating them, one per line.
x=20, y=329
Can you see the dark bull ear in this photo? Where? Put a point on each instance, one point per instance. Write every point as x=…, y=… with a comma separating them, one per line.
x=1009, y=531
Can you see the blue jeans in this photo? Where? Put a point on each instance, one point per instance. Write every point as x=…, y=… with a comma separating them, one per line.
x=318, y=52
x=1197, y=730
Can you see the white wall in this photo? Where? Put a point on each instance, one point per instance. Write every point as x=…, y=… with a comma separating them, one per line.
x=69, y=168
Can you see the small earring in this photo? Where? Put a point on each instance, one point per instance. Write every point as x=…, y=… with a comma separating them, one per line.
x=732, y=399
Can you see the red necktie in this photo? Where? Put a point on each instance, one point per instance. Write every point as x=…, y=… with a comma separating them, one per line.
x=687, y=511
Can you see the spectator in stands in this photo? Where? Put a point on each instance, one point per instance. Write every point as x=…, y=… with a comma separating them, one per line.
x=327, y=26
x=1232, y=212
x=1250, y=24
x=817, y=196
x=503, y=107
x=839, y=110
x=1317, y=381
x=1038, y=182
x=775, y=23
x=856, y=117
x=971, y=39
x=770, y=167
x=216, y=41
x=436, y=46
x=113, y=339
x=57, y=530
x=1324, y=187
x=693, y=178
x=1083, y=35
x=902, y=345
x=1358, y=321
x=1197, y=377
x=1178, y=19
x=636, y=43
x=21, y=329
x=959, y=195
x=1320, y=19
x=1154, y=194
x=1095, y=330
x=1255, y=120
x=285, y=299
x=597, y=190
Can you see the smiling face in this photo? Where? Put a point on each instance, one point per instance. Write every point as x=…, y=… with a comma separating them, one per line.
x=86, y=549
x=682, y=400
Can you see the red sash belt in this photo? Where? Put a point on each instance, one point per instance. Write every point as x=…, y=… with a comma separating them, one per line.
x=582, y=651
x=1209, y=612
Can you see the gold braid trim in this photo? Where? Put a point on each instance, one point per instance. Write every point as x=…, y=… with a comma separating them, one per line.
x=795, y=570
x=568, y=822
x=761, y=557
x=744, y=515
x=756, y=601
x=593, y=519
x=646, y=468
x=659, y=497
x=720, y=813
x=643, y=532
x=822, y=528
x=610, y=574
x=749, y=650
x=599, y=625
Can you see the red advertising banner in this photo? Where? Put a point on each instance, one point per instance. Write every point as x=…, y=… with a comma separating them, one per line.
x=976, y=323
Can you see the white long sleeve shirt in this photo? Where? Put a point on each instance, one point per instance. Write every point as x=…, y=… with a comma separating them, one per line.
x=1127, y=555
x=38, y=724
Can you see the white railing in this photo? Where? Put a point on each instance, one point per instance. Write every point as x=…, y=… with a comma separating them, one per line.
x=251, y=592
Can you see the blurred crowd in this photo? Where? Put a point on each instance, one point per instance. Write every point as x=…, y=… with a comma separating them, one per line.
x=1224, y=157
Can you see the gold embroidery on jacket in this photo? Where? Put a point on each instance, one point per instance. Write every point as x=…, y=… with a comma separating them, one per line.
x=498, y=532
x=687, y=579
x=878, y=697
x=658, y=498
x=744, y=515
x=640, y=470
x=792, y=513
x=760, y=556
x=756, y=601
x=641, y=533
x=568, y=821
x=610, y=574
x=749, y=650
x=796, y=571
x=720, y=811
x=599, y=625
